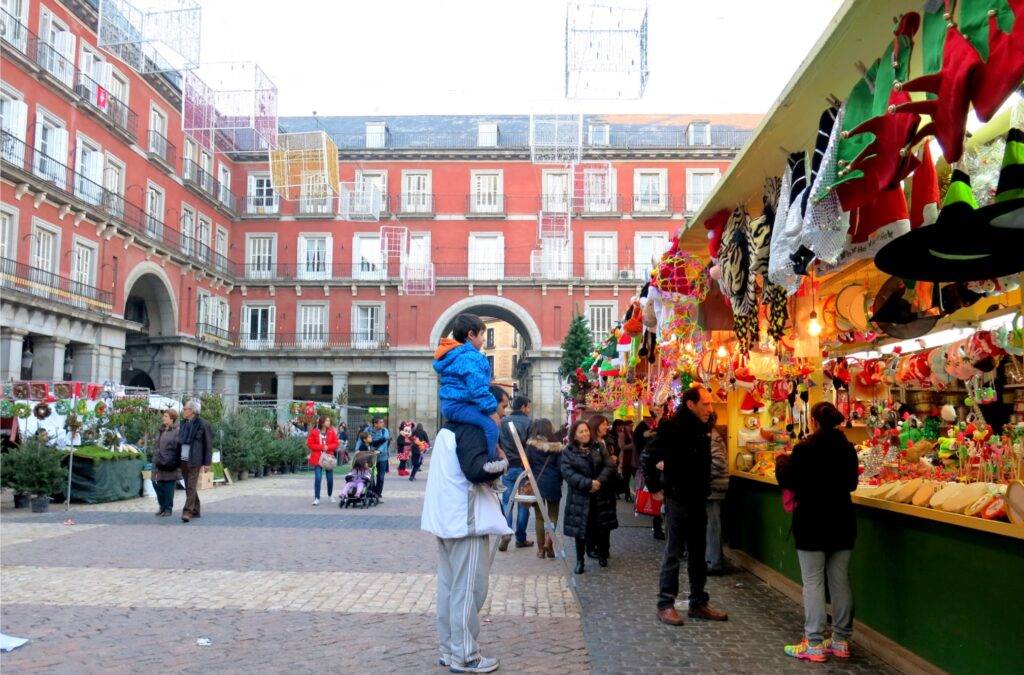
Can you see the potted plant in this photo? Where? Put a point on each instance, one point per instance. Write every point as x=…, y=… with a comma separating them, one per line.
x=34, y=469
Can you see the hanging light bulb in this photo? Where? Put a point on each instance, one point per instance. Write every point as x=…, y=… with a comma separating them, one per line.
x=813, y=325
x=722, y=352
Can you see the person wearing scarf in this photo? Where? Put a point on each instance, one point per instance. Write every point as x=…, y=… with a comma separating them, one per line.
x=196, y=440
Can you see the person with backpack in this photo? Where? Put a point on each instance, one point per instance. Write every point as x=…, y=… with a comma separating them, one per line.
x=821, y=473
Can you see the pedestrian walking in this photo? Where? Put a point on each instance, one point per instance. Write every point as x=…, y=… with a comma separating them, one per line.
x=167, y=463
x=462, y=511
x=420, y=445
x=822, y=472
x=380, y=440
x=520, y=419
x=322, y=439
x=622, y=433
x=678, y=465
x=544, y=452
x=196, y=439
x=585, y=470
x=719, y=486
x=642, y=435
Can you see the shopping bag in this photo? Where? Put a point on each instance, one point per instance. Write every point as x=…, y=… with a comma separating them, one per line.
x=646, y=504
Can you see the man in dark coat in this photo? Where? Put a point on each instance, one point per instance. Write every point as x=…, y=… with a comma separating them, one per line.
x=196, y=455
x=520, y=419
x=678, y=463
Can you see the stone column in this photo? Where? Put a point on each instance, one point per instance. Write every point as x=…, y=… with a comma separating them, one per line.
x=103, y=359
x=190, y=378
x=84, y=363
x=204, y=380
x=393, y=402
x=116, y=363
x=339, y=384
x=172, y=378
x=285, y=394
x=226, y=384
x=11, y=342
x=48, y=363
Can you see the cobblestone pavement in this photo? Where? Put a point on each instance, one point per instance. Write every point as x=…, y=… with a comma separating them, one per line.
x=279, y=585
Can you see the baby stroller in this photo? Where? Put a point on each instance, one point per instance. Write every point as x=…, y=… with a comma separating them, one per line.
x=369, y=496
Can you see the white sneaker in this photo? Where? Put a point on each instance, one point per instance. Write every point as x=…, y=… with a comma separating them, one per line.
x=484, y=664
x=334, y=500
x=316, y=502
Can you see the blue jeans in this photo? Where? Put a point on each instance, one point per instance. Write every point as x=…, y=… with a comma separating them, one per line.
x=317, y=473
x=523, y=516
x=457, y=411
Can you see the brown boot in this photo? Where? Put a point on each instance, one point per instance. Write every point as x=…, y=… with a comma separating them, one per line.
x=541, y=549
x=503, y=543
x=708, y=613
x=549, y=547
x=670, y=617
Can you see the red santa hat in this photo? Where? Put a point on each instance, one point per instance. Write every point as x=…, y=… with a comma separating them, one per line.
x=924, y=192
x=715, y=225
x=750, y=404
x=878, y=222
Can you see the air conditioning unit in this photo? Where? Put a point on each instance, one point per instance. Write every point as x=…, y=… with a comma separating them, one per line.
x=626, y=274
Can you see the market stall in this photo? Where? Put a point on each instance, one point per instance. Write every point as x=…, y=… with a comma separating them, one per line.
x=867, y=248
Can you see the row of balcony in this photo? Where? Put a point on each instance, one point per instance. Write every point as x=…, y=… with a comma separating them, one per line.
x=43, y=284
x=367, y=271
x=310, y=339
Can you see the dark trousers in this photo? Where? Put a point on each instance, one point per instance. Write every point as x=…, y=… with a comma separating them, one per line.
x=165, y=494
x=596, y=539
x=382, y=468
x=192, y=504
x=687, y=526
x=417, y=460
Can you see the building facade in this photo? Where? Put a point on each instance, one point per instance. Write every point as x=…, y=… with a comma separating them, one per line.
x=130, y=253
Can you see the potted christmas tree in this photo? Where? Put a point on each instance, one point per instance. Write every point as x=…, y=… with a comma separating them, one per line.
x=34, y=469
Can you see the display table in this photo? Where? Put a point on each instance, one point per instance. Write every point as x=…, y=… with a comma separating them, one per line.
x=98, y=476
x=945, y=587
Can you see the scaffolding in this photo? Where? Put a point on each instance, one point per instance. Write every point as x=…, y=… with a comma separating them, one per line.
x=230, y=107
x=151, y=36
x=556, y=138
x=304, y=165
x=418, y=279
x=394, y=244
x=554, y=226
x=593, y=187
x=360, y=200
x=606, y=49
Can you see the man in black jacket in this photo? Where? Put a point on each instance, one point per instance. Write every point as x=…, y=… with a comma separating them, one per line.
x=520, y=418
x=678, y=464
x=196, y=439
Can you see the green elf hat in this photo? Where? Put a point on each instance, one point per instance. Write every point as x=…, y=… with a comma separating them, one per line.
x=1002, y=221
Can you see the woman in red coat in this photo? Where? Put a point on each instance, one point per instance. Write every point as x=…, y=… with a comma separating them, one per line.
x=320, y=440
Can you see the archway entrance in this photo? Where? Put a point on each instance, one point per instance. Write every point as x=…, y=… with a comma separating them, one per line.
x=150, y=302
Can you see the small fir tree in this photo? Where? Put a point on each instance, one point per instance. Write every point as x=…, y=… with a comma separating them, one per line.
x=577, y=345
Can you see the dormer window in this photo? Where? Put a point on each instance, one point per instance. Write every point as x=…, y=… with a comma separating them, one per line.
x=598, y=134
x=376, y=134
x=487, y=135
x=699, y=133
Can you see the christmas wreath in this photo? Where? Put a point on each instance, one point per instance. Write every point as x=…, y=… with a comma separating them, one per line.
x=62, y=407
x=101, y=409
x=6, y=408
x=20, y=390
x=22, y=410
x=41, y=411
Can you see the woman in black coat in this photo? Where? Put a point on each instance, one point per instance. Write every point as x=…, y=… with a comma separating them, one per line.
x=600, y=431
x=585, y=469
x=822, y=472
x=544, y=453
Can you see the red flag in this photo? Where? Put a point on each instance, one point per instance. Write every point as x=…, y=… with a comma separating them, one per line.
x=102, y=97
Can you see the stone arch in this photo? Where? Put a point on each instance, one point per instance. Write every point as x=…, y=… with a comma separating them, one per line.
x=491, y=306
x=150, y=282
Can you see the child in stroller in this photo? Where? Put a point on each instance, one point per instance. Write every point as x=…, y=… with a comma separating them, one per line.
x=358, y=488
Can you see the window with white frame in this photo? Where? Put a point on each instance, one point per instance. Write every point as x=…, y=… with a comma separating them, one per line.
x=45, y=247
x=487, y=135
x=258, y=326
x=83, y=263
x=223, y=314
x=556, y=258
x=418, y=259
x=117, y=108
x=650, y=190
x=314, y=196
x=56, y=47
x=556, y=192
x=154, y=211
x=600, y=252
x=416, y=192
x=113, y=184
x=94, y=85
x=312, y=325
x=259, y=256
x=486, y=192
x=225, y=185
x=261, y=196
x=367, y=325
x=158, y=132
x=203, y=305
x=648, y=247
x=598, y=190
x=486, y=258
x=601, y=317
x=190, y=155
x=206, y=171
x=51, y=149
x=8, y=233
x=203, y=228
x=16, y=12
x=221, y=246
x=314, y=256
x=370, y=184
x=367, y=262
x=13, y=121
x=188, y=229
x=89, y=161
x=699, y=133
x=699, y=184
x=376, y=134
x=598, y=135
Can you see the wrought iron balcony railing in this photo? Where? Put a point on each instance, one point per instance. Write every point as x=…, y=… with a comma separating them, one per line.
x=162, y=150
x=45, y=284
x=308, y=340
x=263, y=205
x=111, y=110
x=16, y=35
x=415, y=204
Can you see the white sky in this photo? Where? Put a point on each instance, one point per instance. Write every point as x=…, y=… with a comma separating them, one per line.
x=394, y=57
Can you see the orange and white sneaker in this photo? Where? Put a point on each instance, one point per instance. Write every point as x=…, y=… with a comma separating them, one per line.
x=806, y=651
x=837, y=647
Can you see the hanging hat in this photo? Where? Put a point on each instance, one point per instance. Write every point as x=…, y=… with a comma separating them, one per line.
x=750, y=404
x=852, y=306
x=715, y=225
x=825, y=223
x=734, y=258
x=897, y=311
x=951, y=249
x=877, y=223
x=1004, y=69
x=1003, y=219
x=924, y=191
x=788, y=224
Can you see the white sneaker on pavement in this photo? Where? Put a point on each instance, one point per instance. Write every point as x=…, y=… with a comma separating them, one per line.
x=484, y=664
x=316, y=502
x=334, y=499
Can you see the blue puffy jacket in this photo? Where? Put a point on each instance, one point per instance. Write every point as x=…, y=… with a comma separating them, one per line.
x=465, y=375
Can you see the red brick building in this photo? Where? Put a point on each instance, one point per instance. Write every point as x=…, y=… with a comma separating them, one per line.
x=129, y=253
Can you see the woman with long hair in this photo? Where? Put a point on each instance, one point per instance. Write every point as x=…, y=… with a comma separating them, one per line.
x=322, y=438
x=544, y=451
x=822, y=472
x=600, y=431
x=622, y=433
x=586, y=469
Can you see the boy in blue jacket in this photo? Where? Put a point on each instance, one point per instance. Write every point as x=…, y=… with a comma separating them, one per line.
x=465, y=377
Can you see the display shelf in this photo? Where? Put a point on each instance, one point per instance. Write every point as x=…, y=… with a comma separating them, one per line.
x=992, y=526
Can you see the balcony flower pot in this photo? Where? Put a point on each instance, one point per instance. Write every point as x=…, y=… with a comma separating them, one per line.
x=21, y=501
x=40, y=504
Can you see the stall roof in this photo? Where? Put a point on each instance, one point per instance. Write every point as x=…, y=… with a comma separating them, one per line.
x=859, y=31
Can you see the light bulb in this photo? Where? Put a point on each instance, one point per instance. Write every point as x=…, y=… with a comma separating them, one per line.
x=814, y=326
x=722, y=351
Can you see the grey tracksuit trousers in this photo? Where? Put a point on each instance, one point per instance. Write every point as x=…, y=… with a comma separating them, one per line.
x=462, y=569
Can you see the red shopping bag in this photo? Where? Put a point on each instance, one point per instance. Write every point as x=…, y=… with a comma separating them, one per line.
x=646, y=504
